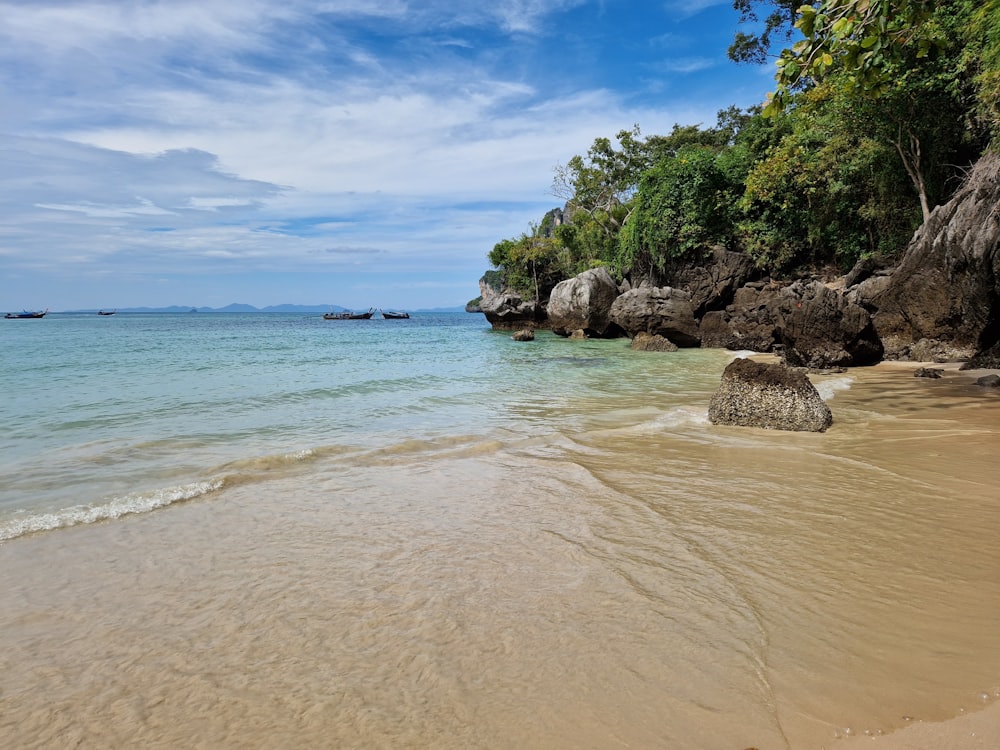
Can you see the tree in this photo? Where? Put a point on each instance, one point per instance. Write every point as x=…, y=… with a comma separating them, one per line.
x=754, y=48
x=902, y=56
x=602, y=183
x=679, y=212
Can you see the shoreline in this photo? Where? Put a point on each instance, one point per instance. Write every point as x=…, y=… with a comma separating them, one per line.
x=973, y=730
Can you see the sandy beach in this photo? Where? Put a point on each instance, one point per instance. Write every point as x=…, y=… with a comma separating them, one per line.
x=592, y=572
x=974, y=730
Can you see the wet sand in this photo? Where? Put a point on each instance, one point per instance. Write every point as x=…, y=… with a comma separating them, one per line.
x=978, y=726
x=396, y=603
x=974, y=730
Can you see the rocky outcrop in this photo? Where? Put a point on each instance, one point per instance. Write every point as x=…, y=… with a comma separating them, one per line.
x=660, y=310
x=713, y=284
x=945, y=288
x=583, y=303
x=524, y=334
x=504, y=308
x=652, y=342
x=752, y=322
x=770, y=396
x=821, y=328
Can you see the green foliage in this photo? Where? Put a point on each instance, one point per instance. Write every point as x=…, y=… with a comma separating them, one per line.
x=866, y=40
x=830, y=191
x=533, y=264
x=680, y=211
x=878, y=109
x=981, y=59
x=754, y=47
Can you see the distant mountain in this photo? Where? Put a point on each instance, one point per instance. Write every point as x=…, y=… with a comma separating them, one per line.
x=238, y=307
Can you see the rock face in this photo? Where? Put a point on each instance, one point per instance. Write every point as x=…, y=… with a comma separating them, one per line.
x=661, y=310
x=821, y=328
x=947, y=286
x=752, y=322
x=713, y=284
x=583, y=303
x=505, y=309
x=771, y=396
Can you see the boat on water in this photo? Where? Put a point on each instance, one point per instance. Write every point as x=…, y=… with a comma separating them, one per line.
x=390, y=315
x=106, y=312
x=27, y=314
x=348, y=315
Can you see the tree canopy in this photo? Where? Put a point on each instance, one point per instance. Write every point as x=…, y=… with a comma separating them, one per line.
x=879, y=106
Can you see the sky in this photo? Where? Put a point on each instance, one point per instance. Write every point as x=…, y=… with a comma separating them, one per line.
x=355, y=153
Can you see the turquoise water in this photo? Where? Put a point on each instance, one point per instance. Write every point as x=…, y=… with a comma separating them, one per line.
x=109, y=415
x=271, y=530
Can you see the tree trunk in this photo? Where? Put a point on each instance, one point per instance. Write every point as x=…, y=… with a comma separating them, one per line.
x=910, y=154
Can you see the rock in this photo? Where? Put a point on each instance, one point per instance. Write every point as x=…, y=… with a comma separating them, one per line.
x=652, y=342
x=989, y=381
x=754, y=318
x=820, y=328
x=713, y=283
x=865, y=269
x=525, y=334
x=927, y=372
x=579, y=333
x=988, y=359
x=946, y=288
x=771, y=396
x=584, y=303
x=714, y=330
x=662, y=310
x=504, y=308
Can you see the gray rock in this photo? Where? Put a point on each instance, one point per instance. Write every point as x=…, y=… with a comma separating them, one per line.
x=652, y=342
x=927, y=372
x=821, y=328
x=584, y=303
x=525, y=334
x=661, y=310
x=770, y=396
x=947, y=285
x=989, y=381
x=504, y=308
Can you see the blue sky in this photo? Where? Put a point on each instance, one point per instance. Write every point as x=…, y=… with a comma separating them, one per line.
x=344, y=152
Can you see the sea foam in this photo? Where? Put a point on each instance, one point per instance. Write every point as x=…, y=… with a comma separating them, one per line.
x=77, y=515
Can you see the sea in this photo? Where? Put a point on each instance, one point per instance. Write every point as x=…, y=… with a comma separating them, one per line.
x=271, y=530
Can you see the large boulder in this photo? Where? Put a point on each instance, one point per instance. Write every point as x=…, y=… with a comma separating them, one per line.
x=821, y=328
x=946, y=288
x=660, y=310
x=505, y=309
x=583, y=303
x=771, y=396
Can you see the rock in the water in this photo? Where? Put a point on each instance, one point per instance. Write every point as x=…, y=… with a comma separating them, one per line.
x=989, y=381
x=653, y=342
x=927, y=372
x=772, y=396
x=525, y=334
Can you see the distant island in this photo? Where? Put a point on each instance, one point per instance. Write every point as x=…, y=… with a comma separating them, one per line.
x=241, y=308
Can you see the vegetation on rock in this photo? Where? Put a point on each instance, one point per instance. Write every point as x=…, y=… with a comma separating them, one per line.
x=880, y=108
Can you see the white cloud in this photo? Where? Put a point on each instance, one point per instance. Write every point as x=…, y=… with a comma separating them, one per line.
x=256, y=134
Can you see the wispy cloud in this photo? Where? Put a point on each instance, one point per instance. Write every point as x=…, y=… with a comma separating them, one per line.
x=145, y=139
